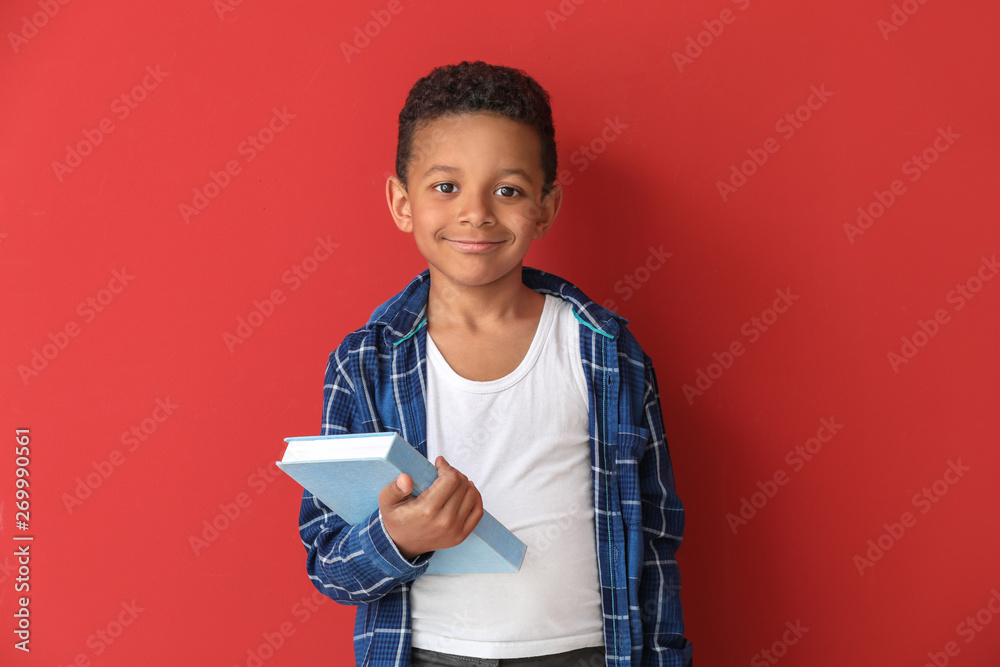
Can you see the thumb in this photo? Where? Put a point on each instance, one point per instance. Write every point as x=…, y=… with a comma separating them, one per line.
x=403, y=485
x=395, y=492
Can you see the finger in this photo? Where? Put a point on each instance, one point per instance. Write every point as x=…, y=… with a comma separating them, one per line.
x=452, y=504
x=471, y=500
x=396, y=491
x=472, y=520
x=448, y=480
x=446, y=470
x=404, y=483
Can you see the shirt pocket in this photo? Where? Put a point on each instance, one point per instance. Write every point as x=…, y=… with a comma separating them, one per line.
x=632, y=441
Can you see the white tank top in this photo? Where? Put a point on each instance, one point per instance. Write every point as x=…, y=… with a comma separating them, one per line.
x=524, y=440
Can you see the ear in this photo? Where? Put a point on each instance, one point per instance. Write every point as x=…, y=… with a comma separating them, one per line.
x=548, y=211
x=399, y=204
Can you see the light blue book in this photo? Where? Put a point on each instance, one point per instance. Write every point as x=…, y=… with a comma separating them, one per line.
x=347, y=472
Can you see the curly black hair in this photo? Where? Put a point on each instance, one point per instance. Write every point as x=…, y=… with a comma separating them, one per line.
x=469, y=87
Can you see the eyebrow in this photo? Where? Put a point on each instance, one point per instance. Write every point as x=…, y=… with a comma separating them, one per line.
x=448, y=169
x=515, y=172
x=441, y=167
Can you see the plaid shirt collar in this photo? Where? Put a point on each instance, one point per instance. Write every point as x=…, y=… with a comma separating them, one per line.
x=404, y=314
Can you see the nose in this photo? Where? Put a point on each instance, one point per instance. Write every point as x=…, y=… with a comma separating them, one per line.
x=477, y=209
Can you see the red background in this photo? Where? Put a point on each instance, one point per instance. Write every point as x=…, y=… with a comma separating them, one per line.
x=682, y=126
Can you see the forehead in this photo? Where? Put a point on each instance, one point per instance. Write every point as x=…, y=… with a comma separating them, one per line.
x=481, y=138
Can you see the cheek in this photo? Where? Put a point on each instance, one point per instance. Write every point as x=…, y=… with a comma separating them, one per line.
x=530, y=211
x=523, y=221
x=428, y=221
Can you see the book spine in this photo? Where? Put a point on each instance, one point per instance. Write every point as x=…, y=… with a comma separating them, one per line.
x=407, y=459
x=500, y=540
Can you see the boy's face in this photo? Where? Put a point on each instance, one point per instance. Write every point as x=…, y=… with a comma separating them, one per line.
x=474, y=198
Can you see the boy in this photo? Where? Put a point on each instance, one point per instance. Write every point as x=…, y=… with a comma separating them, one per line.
x=524, y=392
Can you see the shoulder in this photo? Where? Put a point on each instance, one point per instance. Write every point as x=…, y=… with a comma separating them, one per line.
x=393, y=320
x=590, y=314
x=635, y=366
x=346, y=360
x=630, y=347
x=356, y=342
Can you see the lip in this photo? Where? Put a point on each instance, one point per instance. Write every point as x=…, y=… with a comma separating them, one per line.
x=473, y=246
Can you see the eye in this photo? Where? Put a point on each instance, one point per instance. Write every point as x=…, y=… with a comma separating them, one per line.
x=507, y=191
x=449, y=188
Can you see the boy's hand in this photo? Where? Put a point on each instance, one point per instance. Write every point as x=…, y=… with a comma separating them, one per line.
x=440, y=517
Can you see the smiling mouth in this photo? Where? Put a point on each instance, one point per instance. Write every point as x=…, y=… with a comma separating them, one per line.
x=474, y=246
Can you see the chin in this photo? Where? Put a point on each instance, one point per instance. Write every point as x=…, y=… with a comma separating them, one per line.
x=478, y=278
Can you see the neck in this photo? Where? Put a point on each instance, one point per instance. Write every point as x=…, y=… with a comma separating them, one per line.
x=453, y=305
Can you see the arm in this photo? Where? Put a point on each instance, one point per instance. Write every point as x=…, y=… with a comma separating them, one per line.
x=663, y=527
x=358, y=564
x=350, y=564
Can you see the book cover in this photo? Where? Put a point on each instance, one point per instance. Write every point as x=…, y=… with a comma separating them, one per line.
x=347, y=472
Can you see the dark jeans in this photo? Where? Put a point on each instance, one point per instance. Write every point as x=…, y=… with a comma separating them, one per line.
x=584, y=657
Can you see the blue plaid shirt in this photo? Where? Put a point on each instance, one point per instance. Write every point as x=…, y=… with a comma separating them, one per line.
x=376, y=381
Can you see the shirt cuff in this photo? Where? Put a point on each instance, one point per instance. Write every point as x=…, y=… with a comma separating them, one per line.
x=385, y=555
